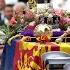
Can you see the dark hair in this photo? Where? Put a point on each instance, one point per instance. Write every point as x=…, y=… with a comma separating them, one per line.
x=9, y=5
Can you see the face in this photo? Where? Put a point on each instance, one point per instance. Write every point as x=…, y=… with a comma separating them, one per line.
x=23, y=13
x=18, y=13
x=2, y=4
x=9, y=12
x=29, y=14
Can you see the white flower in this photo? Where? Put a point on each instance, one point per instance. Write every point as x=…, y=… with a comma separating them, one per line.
x=2, y=37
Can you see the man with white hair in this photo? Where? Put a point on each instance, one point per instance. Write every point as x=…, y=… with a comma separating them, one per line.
x=22, y=12
x=19, y=9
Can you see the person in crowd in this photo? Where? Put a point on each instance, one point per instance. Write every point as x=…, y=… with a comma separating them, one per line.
x=23, y=14
x=2, y=6
x=22, y=11
x=8, y=11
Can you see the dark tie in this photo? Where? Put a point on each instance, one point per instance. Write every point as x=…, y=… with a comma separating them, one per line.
x=0, y=16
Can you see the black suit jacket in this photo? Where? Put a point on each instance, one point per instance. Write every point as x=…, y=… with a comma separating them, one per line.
x=1, y=22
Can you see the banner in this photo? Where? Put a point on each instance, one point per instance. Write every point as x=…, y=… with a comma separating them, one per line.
x=28, y=55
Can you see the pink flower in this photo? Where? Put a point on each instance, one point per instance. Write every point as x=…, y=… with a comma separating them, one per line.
x=13, y=21
x=58, y=12
x=29, y=15
x=65, y=20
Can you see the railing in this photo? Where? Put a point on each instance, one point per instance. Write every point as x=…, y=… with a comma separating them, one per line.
x=65, y=38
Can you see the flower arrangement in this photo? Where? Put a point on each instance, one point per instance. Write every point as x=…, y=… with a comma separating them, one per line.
x=27, y=18
x=43, y=32
x=17, y=24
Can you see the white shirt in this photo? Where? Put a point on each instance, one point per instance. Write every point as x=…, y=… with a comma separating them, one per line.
x=2, y=15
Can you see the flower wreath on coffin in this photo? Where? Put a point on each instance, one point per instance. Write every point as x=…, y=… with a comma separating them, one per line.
x=42, y=33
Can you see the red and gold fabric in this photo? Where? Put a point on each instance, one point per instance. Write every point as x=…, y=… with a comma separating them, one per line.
x=28, y=54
